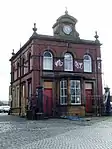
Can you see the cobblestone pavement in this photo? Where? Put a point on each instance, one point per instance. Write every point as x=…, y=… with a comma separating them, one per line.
x=19, y=133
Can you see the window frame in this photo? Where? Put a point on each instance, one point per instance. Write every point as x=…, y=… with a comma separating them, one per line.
x=29, y=61
x=62, y=89
x=29, y=88
x=76, y=95
x=85, y=64
x=66, y=64
x=65, y=92
x=46, y=58
x=18, y=69
x=12, y=73
x=23, y=67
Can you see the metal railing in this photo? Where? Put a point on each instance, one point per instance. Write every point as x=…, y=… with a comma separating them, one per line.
x=97, y=104
x=34, y=110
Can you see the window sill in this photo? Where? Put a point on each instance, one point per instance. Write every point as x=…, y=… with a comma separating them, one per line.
x=47, y=69
x=88, y=72
x=63, y=104
x=71, y=104
x=75, y=104
x=68, y=70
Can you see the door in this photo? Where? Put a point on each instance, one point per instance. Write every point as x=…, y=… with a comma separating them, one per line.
x=48, y=105
x=88, y=100
x=88, y=95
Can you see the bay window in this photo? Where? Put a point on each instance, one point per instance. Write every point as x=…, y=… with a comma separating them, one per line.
x=70, y=90
x=75, y=92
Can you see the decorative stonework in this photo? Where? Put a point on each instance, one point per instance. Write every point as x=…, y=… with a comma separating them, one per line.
x=65, y=26
x=79, y=65
x=59, y=63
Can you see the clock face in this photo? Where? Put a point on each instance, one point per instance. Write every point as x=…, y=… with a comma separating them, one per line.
x=67, y=29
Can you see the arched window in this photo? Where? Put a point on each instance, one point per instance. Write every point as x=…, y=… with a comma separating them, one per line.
x=29, y=62
x=47, y=61
x=23, y=66
x=17, y=69
x=87, y=63
x=68, y=62
x=12, y=73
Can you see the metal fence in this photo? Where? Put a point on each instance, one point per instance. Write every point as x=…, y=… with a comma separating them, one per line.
x=98, y=107
x=37, y=107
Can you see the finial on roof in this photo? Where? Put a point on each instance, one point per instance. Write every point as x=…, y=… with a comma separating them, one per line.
x=13, y=52
x=34, y=35
x=66, y=11
x=34, y=29
x=96, y=37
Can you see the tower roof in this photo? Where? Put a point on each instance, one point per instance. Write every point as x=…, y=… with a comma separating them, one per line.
x=66, y=18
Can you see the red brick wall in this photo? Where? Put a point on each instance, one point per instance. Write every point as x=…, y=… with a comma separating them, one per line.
x=58, y=49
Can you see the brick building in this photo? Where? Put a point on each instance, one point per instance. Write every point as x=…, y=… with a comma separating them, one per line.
x=66, y=66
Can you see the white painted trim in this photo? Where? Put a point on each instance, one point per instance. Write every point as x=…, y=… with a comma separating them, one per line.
x=75, y=103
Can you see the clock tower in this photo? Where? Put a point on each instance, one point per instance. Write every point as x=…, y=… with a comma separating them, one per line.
x=65, y=27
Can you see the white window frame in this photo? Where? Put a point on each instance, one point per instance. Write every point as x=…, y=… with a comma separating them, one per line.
x=45, y=59
x=68, y=66
x=75, y=91
x=62, y=89
x=87, y=63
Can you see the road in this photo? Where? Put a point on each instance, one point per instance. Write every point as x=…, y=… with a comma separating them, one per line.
x=19, y=133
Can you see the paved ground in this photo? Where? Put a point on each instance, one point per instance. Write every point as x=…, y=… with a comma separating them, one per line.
x=19, y=133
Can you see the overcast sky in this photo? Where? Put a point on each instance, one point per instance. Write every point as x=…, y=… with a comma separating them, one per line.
x=18, y=16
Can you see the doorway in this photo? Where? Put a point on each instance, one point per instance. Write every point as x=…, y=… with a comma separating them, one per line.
x=48, y=101
x=88, y=95
x=48, y=98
